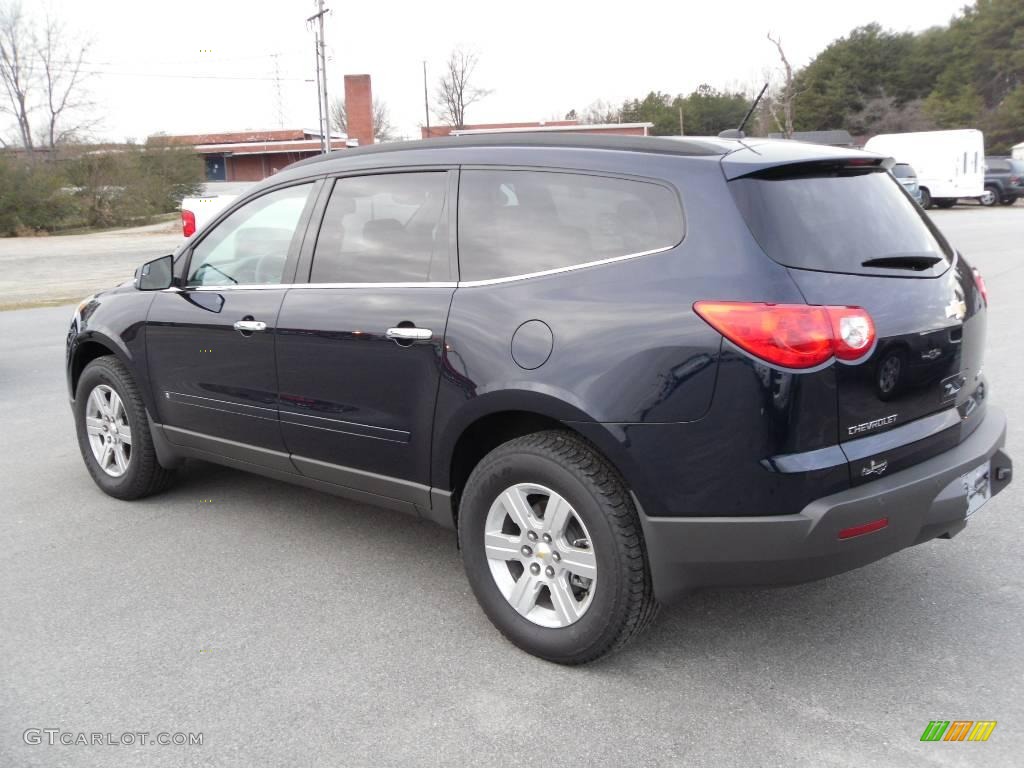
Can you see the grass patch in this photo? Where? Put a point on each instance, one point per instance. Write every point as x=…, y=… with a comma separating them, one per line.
x=8, y=306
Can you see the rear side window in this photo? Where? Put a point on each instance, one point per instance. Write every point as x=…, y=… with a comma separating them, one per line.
x=835, y=221
x=520, y=222
x=390, y=228
x=993, y=164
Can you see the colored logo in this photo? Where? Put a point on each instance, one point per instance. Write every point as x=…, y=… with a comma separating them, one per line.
x=958, y=730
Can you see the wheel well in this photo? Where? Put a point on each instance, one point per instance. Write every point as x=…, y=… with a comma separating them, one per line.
x=84, y=355
x=483, y=436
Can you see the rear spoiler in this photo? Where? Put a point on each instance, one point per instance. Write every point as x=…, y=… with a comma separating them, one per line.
x=783, y=157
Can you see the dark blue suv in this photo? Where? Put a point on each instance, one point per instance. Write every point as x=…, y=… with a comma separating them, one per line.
x=621, y=368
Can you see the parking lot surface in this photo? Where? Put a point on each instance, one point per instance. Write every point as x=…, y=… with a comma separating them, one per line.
x=36, y=270
x=294, y=628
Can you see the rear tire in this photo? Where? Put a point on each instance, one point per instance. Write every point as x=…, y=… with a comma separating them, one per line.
x=945, y=202
x=113, y=432
x=990, y=196
x=572, y=597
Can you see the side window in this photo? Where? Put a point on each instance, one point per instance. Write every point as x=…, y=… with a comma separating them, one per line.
x=390, y=228
x=519, y=222
x=250, y=246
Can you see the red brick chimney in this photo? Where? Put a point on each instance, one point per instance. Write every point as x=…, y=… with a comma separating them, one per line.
x=359, y=108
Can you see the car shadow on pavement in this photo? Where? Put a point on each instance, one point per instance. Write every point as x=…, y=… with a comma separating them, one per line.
x=850, y=616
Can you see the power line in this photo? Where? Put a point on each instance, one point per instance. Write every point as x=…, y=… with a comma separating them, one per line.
x=36, y=58
x=182, y=76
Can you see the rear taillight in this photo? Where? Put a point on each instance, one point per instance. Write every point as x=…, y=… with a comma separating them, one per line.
x=980, y=282
x=188, y=223
x=1016, y=180
x=792, y=335
x=853, y=332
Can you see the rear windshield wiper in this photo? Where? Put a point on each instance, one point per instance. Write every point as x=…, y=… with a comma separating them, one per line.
x=918, y=263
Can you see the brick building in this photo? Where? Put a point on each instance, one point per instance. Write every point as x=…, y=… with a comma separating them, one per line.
x=570, y=126
x=254, y=155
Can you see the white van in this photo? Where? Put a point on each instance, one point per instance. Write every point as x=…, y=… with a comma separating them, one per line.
x=949, y=164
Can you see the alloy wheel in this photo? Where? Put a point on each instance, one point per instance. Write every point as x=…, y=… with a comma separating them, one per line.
x=106, y=426
x=540, y=555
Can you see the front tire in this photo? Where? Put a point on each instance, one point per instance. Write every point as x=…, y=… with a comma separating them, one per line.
x=113, y=432
x=553, y=550
x=926, y=198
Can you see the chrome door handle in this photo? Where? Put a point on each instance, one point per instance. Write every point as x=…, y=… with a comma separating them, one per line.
x=248, y=326
x=409, y=334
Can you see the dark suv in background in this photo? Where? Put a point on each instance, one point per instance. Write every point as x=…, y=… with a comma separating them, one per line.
x=621, y=368
x=1004, y=181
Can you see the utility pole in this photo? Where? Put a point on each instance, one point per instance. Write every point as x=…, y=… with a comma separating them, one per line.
x=319, y=101
x=426, y=102
x=681, y=120
x=321, y=60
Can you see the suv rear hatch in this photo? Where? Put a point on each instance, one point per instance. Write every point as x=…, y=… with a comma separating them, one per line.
x=849, y=235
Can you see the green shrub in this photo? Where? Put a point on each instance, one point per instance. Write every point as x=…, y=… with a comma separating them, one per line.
x=32, y=197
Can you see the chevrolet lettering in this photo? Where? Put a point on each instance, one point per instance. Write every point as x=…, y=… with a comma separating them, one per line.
x=867, y=426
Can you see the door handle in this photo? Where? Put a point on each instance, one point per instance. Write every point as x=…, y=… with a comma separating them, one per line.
x=248, y=326
x=409, y=334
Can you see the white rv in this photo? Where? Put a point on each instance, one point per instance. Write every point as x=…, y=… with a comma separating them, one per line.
x=949, y=164
x=1017, y=151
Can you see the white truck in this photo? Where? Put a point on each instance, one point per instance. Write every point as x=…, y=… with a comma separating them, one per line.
x=197, y=212
x=949, y=164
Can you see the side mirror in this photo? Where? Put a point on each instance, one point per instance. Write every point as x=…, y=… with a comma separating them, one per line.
x=155, y=275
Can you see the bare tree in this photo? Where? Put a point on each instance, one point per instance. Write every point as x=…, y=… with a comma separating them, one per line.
x=600, y=112
x=16, y=68
x=62, y=78
x=455, y=89
x=383, y=130
x=782, y=98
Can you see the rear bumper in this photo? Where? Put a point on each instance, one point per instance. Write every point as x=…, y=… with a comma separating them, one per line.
x=921, y=502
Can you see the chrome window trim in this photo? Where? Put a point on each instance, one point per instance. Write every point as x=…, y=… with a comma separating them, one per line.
x=289, y=286
x=560, y=270
x=445, y=284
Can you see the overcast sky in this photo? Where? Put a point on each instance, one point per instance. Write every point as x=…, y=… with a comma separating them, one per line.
x=540, y=58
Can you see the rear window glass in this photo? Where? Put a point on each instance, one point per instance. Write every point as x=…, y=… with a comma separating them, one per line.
x=903, y=171
x=520, y=222
x=835, y=221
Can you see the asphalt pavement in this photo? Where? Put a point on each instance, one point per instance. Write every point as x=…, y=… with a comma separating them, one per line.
x=293, y=628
